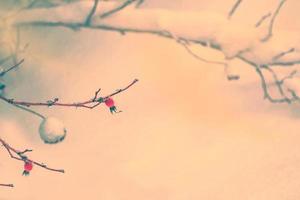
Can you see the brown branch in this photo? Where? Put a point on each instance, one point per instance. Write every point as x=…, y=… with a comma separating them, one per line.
x=262, y=19
x=234, y=8
x=202, y=59
x=290, y=76
x=20, y=156
x=6, y=185
x=84, y=104
x=230, y=77
x=77, y=26
x=96, y=95
x=280, y=55
x=166, y=34
x=270, y=30
x=279, y=84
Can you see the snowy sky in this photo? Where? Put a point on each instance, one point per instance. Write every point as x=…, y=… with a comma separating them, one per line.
x=185, y=133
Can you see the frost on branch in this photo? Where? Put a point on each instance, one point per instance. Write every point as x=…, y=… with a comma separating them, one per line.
x=51, y=130
x=261, y=45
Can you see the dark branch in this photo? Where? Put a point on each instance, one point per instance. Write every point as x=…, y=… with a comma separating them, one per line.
x=139, y=3
x=6, y=185
x=166, y=34
x=280, y=55
x=19, y=155
x=92, y=12
x=234, y=8
x=11, y=68
x=84, y=104
x=262, y=19
x=117, y=9
x=270, y=30
x=77, y=26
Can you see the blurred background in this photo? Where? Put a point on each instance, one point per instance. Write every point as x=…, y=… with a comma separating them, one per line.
x=185, y=133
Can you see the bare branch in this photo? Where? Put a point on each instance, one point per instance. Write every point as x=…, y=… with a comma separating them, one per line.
x=290, y=76
x=265, y=89
x=96, y=95
x=20, y=156
x=270, y=30
x=117, y=9
x=203, y=59
x=11, y=68
x=234, y=8
x=162, y=33
x=27, y=109
x=262, y=19
x=278, y=83
x=139, y=3
x=6, y=185
x=84, y=104
x=77, y=26
x=92, y=12
x=280, y=55
x=166, y=34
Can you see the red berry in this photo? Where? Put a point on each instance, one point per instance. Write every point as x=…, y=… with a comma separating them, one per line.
x=109, y=102
x=28, y=166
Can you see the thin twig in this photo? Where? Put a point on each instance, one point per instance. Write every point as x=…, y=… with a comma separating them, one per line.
x=234, y=8
x=19, y=155
x=28, y=110
x=84, y=104
x=92, y=12
x=117, y=9
x=165, y=34
x=262, y=19
x=278, y=83
x=11, y=68
x=280, y=55
x=270, y=30
x=6, y=185
x=202, y=59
